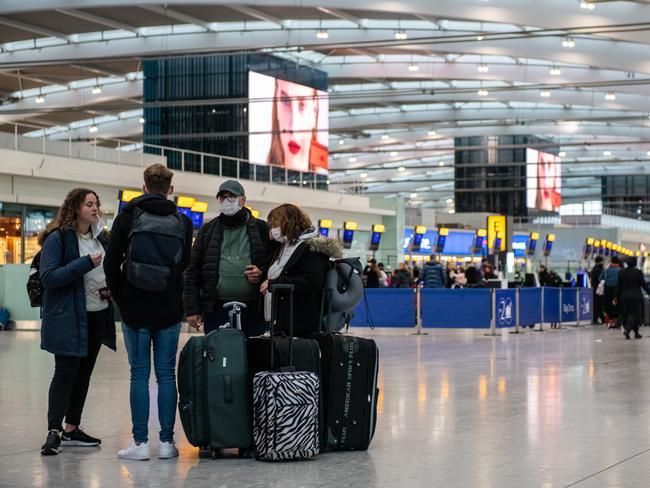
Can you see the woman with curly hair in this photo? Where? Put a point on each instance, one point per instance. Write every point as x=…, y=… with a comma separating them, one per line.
x=77, y=313
x=302, y=261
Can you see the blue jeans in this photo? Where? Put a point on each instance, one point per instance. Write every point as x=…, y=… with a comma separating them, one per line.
x=138, y=346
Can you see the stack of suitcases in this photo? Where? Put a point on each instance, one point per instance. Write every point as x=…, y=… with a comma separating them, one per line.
x=301, y=397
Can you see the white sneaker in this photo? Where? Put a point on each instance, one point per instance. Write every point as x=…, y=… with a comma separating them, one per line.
x=167, y=450
x=135, y=452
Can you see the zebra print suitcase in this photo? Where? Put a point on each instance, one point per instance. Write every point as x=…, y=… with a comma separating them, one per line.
x=285, y=415
x=286, y=405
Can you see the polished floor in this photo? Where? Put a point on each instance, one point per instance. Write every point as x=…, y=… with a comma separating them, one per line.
x=554, y=409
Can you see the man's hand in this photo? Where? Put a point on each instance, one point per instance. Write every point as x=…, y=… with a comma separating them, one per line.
x=264, y=288
x=252, y=273
x=194, y=321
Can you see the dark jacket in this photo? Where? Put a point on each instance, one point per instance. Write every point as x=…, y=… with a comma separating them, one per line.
x=306, y=271
x=629, y=284
x=595, y=275
x=403, y=279
x=372, y=279
x=141, y=308
x=64, y=329
x=202, y=275
x=433, y=275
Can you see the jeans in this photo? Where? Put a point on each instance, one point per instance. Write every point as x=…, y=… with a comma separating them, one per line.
x=71, y=379
x=252, y=323
x=138, y=346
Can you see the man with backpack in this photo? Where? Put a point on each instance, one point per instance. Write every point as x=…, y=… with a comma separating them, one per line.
x=149, y=248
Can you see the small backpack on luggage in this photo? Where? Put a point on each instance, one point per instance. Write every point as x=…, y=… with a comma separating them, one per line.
x=343, y=291
x=155, y=250
x=214, y=398
x=285, y=405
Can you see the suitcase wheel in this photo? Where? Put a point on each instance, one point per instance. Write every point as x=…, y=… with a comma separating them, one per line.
x=247, y=453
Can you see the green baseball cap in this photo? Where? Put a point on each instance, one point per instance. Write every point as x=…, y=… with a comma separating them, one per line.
x=232, y=186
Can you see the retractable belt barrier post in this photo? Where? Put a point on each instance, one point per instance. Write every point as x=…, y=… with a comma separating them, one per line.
x=493, y=315
x=559, y=323
x=418, y=312
x=577, y=307
x=541, y=322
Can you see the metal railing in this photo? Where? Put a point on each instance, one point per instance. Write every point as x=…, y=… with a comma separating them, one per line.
x=131, y=153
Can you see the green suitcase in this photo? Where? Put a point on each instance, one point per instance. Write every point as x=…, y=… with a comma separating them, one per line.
x=214, y=400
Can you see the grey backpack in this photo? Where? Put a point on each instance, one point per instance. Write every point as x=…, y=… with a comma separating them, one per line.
x=155, y=250
x=342, y=293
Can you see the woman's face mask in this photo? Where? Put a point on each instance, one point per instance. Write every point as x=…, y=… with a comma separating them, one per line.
x=230, y=206
x=276, y=234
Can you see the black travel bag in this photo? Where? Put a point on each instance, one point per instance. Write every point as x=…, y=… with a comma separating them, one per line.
x=349, y=369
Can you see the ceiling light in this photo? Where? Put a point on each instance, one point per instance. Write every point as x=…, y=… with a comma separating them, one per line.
x=587, y=5
x=452, y=211
x=441, y=163
x=414, y=195
x=450, y=200
x=96, y=90
x=482, y=92
x=363, y=175
x=39, y=99
x=393, y=154
x=610, y=96
x=431, y=133
x=555, y=71
x=607, y=153
x=401, y=169
x=483, y=68
x=413, y=67
x=353, y=159
x=141, y=120
x=545, y=93
x=647, y=153
x=322, y=34
x=479, y=37
x=385, y=137
x=93, y=129
x=341, y=142
x=401, y=35
x=568, y=42
x=562, y=154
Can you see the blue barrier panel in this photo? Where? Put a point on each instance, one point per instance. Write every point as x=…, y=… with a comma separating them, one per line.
x=506, y=308
x=551, y=304
x=569, y=305
x=389, y=307
x=586, y=308
x=467, y=309
x=530, y=306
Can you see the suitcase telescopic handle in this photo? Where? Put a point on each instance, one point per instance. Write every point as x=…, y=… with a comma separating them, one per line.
x=274, y=302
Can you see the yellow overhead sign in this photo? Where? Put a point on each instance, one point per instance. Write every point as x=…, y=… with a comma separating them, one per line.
x=496, y=224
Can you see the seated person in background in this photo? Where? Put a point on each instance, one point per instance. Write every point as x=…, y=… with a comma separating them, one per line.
x=302, y=261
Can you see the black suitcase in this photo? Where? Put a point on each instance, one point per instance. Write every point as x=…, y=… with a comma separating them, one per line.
x=349, y=369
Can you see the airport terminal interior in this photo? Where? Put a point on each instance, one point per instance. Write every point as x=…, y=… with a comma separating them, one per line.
x=479, y=167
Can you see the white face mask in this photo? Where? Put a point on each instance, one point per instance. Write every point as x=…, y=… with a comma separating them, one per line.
x=230, y=208
x=276, y=234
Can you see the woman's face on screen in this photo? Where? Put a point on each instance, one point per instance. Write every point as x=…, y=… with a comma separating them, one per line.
x=296, y=112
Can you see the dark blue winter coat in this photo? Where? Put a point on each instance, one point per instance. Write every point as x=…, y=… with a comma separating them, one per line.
x=433, y=275
x=64, y=328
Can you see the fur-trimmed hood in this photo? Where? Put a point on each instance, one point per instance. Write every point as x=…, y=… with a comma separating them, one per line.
x=330, y=247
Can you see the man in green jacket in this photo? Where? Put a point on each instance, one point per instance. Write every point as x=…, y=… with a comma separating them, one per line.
x=228, y=259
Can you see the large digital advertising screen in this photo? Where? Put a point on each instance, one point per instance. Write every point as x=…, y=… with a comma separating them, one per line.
x=288, y=124
x=544, y=181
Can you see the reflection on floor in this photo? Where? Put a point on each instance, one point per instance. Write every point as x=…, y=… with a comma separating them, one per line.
x=458, y=410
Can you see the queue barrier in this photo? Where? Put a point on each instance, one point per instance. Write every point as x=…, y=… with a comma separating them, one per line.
x=474, y=308
x=452, y=308
x=388, y=307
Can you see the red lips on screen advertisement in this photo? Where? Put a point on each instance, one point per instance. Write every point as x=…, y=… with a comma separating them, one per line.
x=294, y=147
